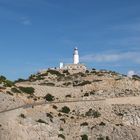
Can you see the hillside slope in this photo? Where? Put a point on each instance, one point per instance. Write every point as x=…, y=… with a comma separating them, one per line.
x=95, y=105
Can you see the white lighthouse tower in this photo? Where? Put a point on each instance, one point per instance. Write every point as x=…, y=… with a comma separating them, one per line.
x=76, y=56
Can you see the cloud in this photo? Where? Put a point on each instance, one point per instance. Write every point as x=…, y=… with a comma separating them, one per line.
x=112, y=57
x=26, y=21
x=131, y=73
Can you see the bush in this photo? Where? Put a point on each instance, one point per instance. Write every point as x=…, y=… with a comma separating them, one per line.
x=61, y=136
x=8, y=92
x=15, y=90
x=28, y=90
x=83, y=83
x=84, y=124
x=8, y=83
x=55, y=72
x=66, y=72
x=102, y=124
x=93, y=113
x=67, y=83
x=49, y=97
x=2, y=78
x=65, y=109
x=68, y=96
x=84, y=137
x=20, y=80
x=86, y=94
x=22, y=116
x=41, y=121
x=55, y=107
x=136, y=77
x=50, y=84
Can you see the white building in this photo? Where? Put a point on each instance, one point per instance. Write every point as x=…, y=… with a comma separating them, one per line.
x=76, y=66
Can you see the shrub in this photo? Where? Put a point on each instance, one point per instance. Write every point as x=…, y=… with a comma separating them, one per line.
x=20, y=80
x=15, y=90
x=22, y=116
x=63, y=120
x=102, y=124
x=68, y=96
x=55, y=107
x=28, y=90
x=96, y=81
x=2, y=78
x=41, y=121
x=8, y=92
x=136, y=77
x=67, y=83
x=49, y=97
x=100, y=138
x=55, y=72
x=93, y=113
x=65, y=109
x=61, y=136
x=66, y=72
x=83, y=83
x=84, y=124
x=86, y=94
x=84, y=137
x=61, y=129
x=49, y=115
x=8, y=83
x=48, y=84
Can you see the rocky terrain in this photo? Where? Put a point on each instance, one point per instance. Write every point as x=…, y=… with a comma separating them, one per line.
x=60, y=105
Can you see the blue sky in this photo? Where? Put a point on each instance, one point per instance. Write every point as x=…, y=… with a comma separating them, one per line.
x=37, y=34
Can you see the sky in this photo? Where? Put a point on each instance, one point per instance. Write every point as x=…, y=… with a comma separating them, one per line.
x=38, y=34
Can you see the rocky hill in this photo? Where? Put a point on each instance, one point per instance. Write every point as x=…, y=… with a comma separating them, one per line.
x=59, y=105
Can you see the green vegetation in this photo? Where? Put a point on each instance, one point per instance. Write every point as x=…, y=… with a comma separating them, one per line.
x=28, y=90
x=41, y=121
x=55, y=72
x=136, y=77
x=66, y=72
x=102, y=124
x=47, y=84
x=61, y=136
x=15, y=90
x=36, y=77
x=93, y=113
x=61, y=129
x=5, y=82
x=84, y=137
x=65, y=109
x=54, y=107
x=22, y=116
x=84, y=124
x=86, y=94
x=49, y=116
x=49, y=97
x=82, y=83
x=8, y=92
x=20, y=80
x=68, y=96
x=67, y=83
x=63, y=120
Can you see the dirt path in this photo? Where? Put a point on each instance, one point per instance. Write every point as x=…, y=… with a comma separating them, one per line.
x=124, y=100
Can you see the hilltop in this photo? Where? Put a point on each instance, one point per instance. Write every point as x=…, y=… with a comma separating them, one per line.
x=54, y=104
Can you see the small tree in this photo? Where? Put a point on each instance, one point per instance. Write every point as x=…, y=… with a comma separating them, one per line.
x=84, y=137
x=65, y=109
x=49, y=97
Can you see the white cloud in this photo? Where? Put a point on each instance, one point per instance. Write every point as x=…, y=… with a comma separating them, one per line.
x=131, y=73
x=112, y=57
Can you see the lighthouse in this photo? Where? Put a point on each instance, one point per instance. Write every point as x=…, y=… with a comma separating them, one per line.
x=76, y=56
